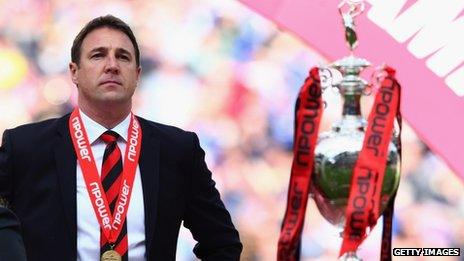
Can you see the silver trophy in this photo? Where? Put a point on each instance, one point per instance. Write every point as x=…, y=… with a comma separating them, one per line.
x=337, y=150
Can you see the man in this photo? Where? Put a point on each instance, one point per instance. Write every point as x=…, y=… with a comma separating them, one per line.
x=11, y=245
x=104, y=184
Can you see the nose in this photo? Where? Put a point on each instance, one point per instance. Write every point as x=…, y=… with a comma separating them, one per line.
x=111, y=65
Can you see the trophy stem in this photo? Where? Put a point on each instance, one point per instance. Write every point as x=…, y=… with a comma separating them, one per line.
x=351, y=105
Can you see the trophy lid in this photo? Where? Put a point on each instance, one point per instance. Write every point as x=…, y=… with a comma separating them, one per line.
x=351, y=67
x=349, y=63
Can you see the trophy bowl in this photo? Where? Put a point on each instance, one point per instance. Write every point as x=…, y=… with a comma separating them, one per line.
x=335, y=157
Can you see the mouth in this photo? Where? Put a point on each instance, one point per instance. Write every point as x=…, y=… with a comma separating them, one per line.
x=111, y=82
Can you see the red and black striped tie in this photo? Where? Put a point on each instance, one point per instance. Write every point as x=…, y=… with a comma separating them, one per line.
x=111, y=176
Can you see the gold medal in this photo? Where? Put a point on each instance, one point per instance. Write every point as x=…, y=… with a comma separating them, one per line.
x=110, y=255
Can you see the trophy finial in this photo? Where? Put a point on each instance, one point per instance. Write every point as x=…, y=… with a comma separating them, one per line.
x=349, y=9
x=351, y=66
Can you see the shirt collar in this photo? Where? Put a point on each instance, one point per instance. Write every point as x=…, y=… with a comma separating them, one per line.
x=95, y=130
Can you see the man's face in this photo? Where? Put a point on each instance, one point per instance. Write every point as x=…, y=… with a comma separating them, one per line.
x=107, y=72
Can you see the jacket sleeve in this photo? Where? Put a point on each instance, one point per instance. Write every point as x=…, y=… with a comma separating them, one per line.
x=6, y=170
x=11, y=243
x=206, y=216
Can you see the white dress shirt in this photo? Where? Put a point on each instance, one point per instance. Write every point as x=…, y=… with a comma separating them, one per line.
x=88, y=228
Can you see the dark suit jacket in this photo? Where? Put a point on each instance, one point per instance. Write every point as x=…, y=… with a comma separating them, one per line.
x=11, y=244
x=38, y=178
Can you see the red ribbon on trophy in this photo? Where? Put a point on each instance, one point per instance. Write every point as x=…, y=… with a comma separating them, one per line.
x=308, y=114
x=363, y=208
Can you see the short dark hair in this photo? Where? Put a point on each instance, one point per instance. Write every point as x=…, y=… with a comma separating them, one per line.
x=108, y=21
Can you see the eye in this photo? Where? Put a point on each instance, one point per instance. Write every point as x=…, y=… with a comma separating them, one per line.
x=97, y=55
x=124, y=57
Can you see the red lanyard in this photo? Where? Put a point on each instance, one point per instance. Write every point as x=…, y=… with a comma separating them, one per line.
x=111, y=224
x=307, y=119
x=364, y=199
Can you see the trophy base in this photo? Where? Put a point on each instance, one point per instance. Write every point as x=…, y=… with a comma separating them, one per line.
x=350, y=256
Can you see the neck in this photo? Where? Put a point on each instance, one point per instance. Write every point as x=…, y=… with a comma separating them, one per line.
x=108, y=116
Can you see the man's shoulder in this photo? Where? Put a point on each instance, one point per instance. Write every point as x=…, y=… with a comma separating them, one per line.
x=168, y=133
x=161, y=127
x=38, y=129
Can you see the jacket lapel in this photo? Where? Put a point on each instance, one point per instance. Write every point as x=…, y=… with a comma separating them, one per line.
x=66, y=170
x=149, y=171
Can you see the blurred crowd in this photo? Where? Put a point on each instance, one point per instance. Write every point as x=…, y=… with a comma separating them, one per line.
x=217, y=68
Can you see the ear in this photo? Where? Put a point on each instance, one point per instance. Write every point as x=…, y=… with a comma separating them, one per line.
x=139, y=73
x=73, y=70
